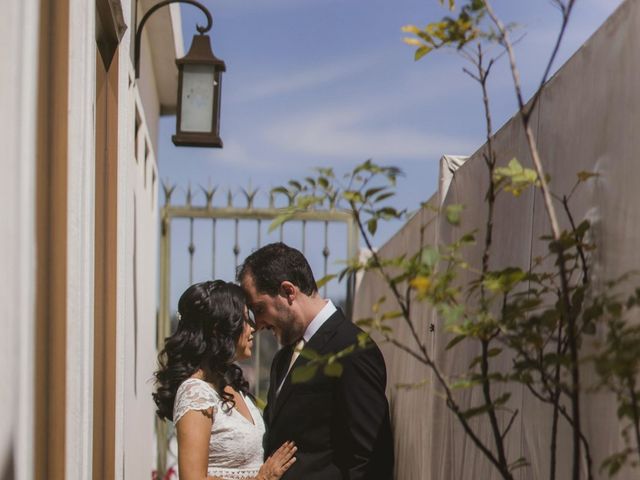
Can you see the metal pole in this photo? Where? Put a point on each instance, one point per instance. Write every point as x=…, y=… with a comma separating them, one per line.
x=352, y=254
x=163, y=327
x=138, y=38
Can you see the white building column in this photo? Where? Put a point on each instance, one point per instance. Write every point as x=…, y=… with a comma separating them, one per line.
x=80, y=240
x=19, y=27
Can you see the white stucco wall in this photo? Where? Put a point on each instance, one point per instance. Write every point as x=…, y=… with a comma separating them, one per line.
x=80, y=240
x=138, y=250
x=135, y=456
x=18, y=95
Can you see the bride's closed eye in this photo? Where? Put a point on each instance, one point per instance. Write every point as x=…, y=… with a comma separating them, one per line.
x=250, y=318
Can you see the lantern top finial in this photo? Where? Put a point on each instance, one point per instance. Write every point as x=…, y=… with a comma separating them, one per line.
x=201, y=53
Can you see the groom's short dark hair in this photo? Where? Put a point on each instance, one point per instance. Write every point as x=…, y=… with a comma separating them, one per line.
x=275, y=263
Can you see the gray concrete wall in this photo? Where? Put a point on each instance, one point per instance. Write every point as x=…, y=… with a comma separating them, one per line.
x=587, y=119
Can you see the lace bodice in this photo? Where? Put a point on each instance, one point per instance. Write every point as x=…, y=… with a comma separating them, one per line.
x=235, y=445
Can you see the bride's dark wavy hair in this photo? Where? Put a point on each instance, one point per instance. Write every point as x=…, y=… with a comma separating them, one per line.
x=211, y=319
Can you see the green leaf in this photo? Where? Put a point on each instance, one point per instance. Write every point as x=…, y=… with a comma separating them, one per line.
x=372, y=191
x=304, y=373
x=392, y=315
x=453, y=342
x=519, y=463
x=364, y=322
x=451, y=314
x=453, y=213
x=463, y=383
x=279, y=220
x=472, y=412
x=421, y=52
x=584, y=176
x=467, y=238
x=323, y=182
x=333, y=369
x=593, y=312
x=614, y=463
x=475, y=362
x=383, y=196
x=625, y=410
x=502, y=399
x=309, y=354
x=429, y=257
x=326, y=279
x=388, y=213
x=364, y=340
x=494, y=352
x=260, y=403
x=504, y=280
x=372, y=225
x=352, y=196
x=583, y=228
x=515, y=177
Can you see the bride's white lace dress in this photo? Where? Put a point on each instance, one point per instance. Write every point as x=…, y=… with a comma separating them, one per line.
x=235, y=445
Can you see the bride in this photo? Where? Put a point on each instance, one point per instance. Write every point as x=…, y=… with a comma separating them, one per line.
x=202, y=390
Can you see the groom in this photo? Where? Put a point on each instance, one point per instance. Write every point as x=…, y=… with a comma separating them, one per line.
x=339, y=424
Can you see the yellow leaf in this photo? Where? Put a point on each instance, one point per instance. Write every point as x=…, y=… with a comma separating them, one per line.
x=421, y=284
x=584, y=176
x=410, y=29
x=412, y=41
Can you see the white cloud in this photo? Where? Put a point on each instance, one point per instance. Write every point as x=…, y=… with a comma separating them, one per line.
x=311, y=77
x=233, y=153
x=339, y=133
x=255, y=5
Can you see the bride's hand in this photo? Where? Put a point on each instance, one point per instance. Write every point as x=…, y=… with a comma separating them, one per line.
x=278, y=463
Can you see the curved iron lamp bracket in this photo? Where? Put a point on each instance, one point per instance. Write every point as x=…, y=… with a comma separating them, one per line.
x=146, y=16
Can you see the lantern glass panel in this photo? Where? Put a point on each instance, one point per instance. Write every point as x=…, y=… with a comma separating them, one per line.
x=198, y=93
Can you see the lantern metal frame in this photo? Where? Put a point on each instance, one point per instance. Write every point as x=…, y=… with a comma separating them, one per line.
x=200, y=53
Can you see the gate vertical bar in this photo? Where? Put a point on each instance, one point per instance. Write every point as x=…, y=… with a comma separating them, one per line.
x=236, y=246
x=325, y=254
x=352, y=255
x=256, y=337
x=213, y=249
x=163, y=326
x=192, y=251
x=304, y=237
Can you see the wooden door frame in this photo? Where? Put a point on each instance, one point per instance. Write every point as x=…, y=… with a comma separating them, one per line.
x=51, y=242
x=106, y=241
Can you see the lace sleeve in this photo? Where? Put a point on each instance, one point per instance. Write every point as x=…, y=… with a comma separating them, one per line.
x=194, y=394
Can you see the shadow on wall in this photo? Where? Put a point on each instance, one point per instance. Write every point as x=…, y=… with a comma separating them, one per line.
x=8, y=467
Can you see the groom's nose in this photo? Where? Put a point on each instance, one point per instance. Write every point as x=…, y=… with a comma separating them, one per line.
x=260, y=324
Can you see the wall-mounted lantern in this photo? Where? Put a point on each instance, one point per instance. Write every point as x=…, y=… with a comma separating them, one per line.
x=199, y=82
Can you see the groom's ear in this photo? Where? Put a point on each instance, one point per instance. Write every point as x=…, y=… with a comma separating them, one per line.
x=288, y=291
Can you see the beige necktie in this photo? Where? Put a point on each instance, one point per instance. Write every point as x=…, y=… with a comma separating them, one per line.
x=294, y=356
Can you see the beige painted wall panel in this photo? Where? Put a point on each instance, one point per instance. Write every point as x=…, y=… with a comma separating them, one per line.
x=587, y=120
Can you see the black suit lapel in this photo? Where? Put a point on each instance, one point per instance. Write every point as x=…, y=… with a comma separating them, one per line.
x=317, y=343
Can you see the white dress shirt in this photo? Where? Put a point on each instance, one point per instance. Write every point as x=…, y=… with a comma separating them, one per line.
x=322, y=316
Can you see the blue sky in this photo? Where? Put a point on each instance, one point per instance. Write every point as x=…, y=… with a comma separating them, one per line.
x=330, y=83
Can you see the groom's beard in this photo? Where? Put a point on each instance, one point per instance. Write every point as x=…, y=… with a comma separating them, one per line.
x=290, y=331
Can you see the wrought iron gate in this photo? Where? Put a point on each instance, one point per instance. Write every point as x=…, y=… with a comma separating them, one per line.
x=232, y=215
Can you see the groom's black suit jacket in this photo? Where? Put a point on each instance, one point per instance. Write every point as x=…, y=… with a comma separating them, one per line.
x=340, y=424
